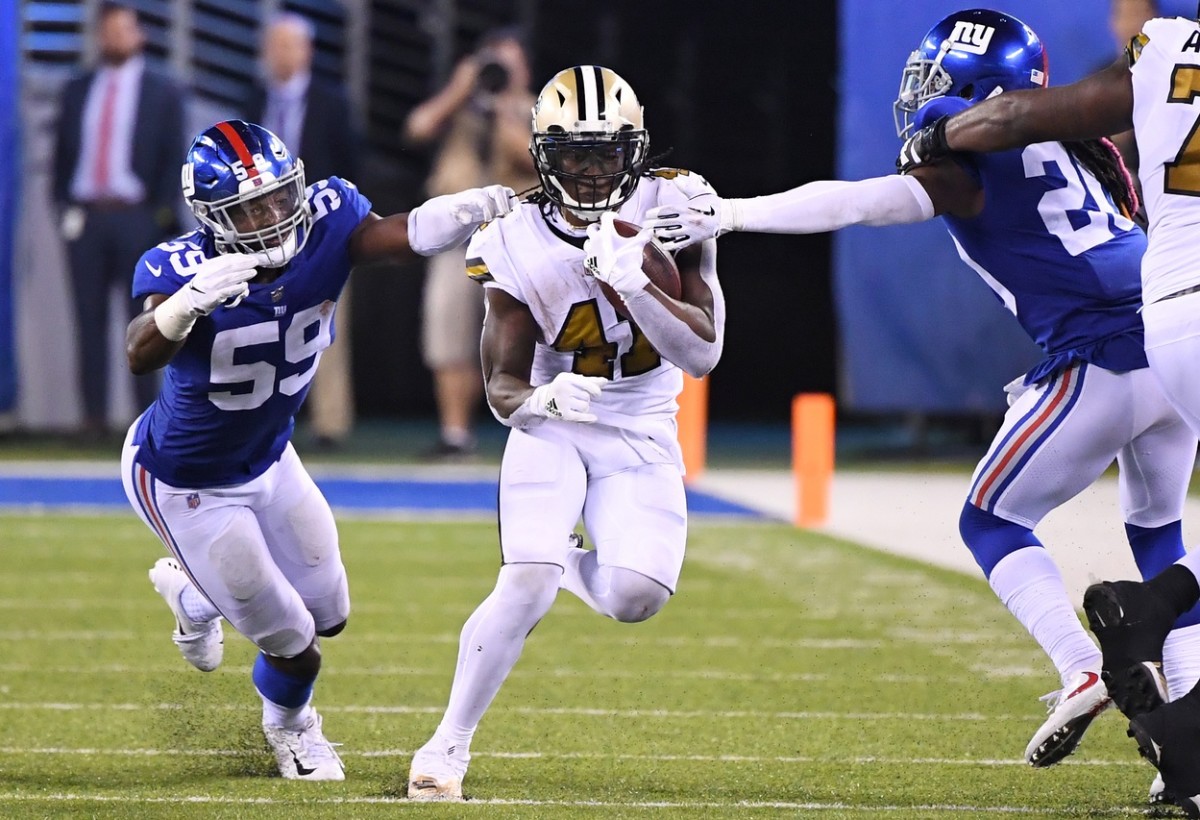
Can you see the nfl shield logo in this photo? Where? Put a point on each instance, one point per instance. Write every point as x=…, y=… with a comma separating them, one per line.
x=193, y=500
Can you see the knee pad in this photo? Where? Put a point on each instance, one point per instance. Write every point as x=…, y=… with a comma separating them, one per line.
x=990, y=538
x=533, y=585
x=633, y=597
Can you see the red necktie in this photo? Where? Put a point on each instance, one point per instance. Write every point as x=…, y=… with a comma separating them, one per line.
x=104, y=137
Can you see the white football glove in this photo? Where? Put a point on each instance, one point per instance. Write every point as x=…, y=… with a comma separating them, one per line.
x=446, y=222
x=567, y=398
x=702, y=217
x=614, y=259
x=221, y=280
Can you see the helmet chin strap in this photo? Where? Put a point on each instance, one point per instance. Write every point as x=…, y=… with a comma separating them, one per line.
x=279, y=256
x=584, y=216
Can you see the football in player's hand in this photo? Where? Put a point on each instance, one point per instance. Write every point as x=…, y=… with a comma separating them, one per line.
x=657, y=264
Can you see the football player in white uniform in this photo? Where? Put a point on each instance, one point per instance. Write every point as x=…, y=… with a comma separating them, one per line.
x=589, y=395
x=1155, y=89
x=237, y=314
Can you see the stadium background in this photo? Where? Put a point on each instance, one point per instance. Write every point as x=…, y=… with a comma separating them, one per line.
x=755, y=99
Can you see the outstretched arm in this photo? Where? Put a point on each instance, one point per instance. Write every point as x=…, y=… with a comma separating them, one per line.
x=1096, y=106
x=826, y=205
x=437, y=225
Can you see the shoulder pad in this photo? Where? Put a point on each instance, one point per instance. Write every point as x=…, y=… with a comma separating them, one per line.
x=688, y=182
x=1134, y=50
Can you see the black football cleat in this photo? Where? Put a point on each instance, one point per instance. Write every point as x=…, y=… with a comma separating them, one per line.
x=1169, y=738
x=1131, y=624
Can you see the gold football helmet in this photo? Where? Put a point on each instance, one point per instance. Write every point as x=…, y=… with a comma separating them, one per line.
x=589, y=142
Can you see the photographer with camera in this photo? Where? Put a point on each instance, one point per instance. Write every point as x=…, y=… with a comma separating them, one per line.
x=482, y=120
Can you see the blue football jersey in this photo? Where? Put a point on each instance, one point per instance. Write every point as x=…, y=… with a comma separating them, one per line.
x=229, y=395
x=1056, y=251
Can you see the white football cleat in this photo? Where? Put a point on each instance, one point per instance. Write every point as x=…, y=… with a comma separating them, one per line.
x=201, y=644
x=1073, y=709
x=437, y=772
x=305, y=754
x=1158, y=791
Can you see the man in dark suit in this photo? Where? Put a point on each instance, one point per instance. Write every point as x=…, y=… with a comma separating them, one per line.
x=116, y=178
x=312, y=118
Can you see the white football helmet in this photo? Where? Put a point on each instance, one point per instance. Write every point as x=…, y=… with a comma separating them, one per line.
x=589, y=143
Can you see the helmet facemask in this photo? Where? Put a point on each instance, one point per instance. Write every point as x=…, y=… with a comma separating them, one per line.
x=269, y=220
x=923, y=80
x=588, y=173
x=589, y=143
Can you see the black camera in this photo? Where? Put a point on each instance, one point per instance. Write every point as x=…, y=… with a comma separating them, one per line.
x=493, y=77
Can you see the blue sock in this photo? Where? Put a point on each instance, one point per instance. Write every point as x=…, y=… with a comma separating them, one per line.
x=990, y=538
x=1155, y=549
x=281, y=688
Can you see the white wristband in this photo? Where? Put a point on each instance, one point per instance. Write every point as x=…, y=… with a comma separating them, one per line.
x=174, y=317
x=523, y=416
x=731, y=216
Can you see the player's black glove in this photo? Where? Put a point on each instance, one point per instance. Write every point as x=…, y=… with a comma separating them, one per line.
x=926, y=146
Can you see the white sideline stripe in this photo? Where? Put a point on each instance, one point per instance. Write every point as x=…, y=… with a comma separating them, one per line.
x=383, y=753
x=972, y=717
x=600, y=804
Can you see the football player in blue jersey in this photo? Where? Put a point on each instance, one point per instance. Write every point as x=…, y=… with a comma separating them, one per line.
x=1050, y=229
x=1151, y=88
x=237, y=312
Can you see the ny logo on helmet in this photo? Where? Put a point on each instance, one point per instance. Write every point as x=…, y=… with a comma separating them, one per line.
x=971, y=37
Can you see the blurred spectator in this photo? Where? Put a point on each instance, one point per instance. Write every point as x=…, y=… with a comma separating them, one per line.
x=1125, y=19
x=481, y=121
x=116, y=177
x=313, y=119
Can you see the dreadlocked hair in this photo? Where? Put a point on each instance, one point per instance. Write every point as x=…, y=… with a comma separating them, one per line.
x=656, y=160
x=1103, y=160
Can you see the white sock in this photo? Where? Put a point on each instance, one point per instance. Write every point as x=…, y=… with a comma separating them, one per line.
x=292, y=719
x=1181, y=660
x=198, y=608
x=1030, y=585
x=491, y=642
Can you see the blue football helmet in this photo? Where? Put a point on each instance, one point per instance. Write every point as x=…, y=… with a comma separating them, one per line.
x=247, y=191
x=972, y=54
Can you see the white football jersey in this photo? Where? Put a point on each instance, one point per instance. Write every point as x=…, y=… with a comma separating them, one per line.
x=1166, y=112
x=539, y=261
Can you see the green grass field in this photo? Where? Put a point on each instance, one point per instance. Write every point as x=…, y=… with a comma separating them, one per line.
x=792, y=675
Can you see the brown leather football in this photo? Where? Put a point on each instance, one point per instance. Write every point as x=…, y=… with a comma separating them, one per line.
x=657, y=264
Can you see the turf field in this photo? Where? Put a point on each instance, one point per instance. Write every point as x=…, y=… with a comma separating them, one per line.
x=792, y=676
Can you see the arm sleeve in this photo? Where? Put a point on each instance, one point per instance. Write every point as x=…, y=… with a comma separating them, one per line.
x=830, y=205
x=674, y=340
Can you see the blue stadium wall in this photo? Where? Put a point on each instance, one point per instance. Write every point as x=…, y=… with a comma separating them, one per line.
x=9, y=124
x=919, y=330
